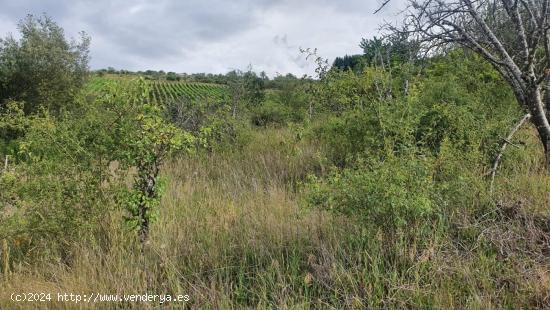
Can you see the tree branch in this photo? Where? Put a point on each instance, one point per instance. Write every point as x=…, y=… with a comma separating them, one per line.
x=509, y=62
x=507, y=140
x=382, y=6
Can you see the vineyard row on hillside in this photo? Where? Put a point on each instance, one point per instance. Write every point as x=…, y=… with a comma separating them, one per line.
x=169, y=91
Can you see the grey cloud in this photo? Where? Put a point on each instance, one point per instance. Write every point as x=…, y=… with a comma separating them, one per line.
x=208, y=35
x=164, y=28
x=15, y=10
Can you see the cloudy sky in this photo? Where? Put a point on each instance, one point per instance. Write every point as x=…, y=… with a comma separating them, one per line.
x=209, y=35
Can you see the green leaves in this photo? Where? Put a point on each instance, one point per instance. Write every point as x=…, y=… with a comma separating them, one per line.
x=144, y=140
x=65, y=160
x=398, y=158
x=386, y=194
x=42, y=69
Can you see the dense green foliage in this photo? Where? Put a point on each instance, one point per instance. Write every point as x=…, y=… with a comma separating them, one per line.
x=355, y=63
x=70, y=160
x=396, y=49
x=376, y=193
x=42, y=69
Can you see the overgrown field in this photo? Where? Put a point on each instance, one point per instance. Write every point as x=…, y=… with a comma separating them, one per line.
x=233, y=231
x=358, y=189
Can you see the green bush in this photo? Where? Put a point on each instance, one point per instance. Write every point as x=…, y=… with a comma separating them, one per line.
x=270, y=114
x=57, y=186
x=65, y=183
x=386, y=194
x=344, y=138
x=463, y=99
x=211, y=122
x=221, y=132
x=434, y=126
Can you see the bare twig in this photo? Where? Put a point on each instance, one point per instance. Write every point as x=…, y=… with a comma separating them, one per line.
x=382, y=6
x=525, y=118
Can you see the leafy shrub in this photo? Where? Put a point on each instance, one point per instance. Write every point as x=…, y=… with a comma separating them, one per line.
x=270, y=114
x=387, y=194
x=457, y=178
x=222, y=133
x=462, y=98
x=144, y=140
x=433, y=127
x=211, y=122
x=344, y=138
x=56, y=189
x=65, y=184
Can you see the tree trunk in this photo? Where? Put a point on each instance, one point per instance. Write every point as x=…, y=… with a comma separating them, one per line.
x=540, y=120
x=547, y=107
x=147, y=188
x=547, y=95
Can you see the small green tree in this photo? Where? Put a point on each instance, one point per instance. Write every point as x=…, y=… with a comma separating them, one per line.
x=155, y=140
x=245, y=87
x=145, y=139
x=254, y=88
x=42, y=68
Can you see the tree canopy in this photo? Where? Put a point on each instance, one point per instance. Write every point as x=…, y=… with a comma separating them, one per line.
x=42, y=68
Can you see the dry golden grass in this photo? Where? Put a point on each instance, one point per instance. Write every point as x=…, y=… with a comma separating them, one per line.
x=215, y=211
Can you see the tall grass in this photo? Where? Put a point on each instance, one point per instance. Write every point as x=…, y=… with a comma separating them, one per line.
x=233, y=232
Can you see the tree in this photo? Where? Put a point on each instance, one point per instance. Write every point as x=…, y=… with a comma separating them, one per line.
x=236, y=89
x=246, y=87
x=254, y=88
x=42, y=69
x=143, y=139
x=512, y=35
x=172, y=76
x=389, y=51
x=354, y=63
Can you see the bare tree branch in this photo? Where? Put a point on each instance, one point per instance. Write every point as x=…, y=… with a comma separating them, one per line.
x=507, y=140
x=382, y=6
